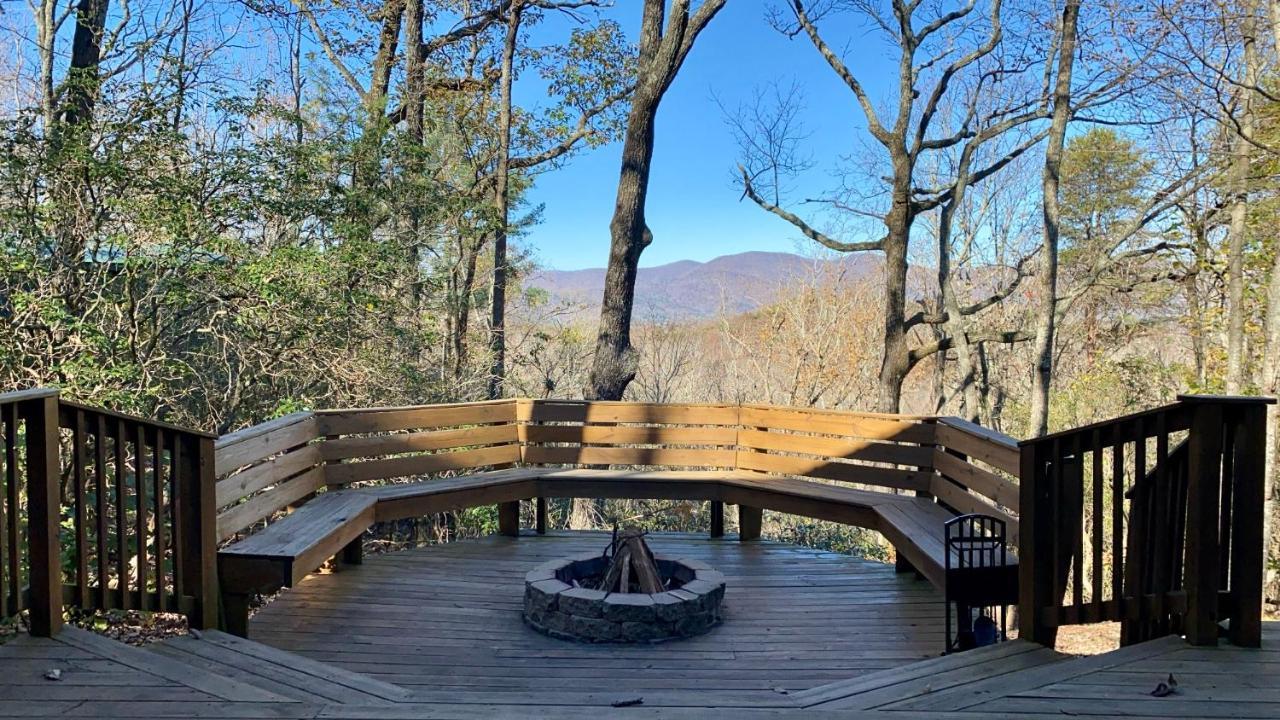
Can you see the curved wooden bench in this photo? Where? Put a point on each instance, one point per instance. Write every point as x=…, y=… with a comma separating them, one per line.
x=758, y=458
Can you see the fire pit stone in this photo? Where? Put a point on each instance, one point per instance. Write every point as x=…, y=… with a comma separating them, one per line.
x=556, y=604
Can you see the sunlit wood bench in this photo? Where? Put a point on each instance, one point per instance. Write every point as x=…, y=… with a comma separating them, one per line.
x=873, y=471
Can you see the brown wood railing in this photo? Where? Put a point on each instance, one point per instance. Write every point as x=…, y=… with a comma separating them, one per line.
x=1153, y=519
x=138, y=498
x=268, y=467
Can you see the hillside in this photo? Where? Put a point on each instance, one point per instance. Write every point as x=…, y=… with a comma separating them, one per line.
x=687, y=290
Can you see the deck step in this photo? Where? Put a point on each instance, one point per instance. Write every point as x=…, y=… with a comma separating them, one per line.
x=900, y=684
x=278, y=671
x=144, y=660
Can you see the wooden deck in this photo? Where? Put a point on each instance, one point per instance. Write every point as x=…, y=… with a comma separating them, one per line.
x=445, y=622
x=435, y=633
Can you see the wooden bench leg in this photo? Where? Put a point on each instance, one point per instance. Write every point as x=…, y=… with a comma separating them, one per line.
x=509, y=518
x=749, y=521
x=541, y=512
x=901, y=564
x=353, y=552
x=235, y=613
x=717, y=519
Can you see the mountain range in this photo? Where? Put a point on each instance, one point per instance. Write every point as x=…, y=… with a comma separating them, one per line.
x=691, y=290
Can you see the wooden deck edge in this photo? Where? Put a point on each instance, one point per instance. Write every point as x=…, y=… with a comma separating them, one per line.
x=139, y=659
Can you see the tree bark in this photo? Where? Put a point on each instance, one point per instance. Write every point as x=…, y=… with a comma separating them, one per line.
x=502, y=200
x=1042, y=377
x=1239, y=183
x=661, y=55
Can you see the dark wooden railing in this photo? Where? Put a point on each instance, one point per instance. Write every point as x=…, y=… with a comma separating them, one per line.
x=30, y=576
x=137, y=498
x=1154, y=519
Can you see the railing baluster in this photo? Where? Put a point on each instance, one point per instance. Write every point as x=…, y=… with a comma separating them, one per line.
x=157, y=514
x=80, y=457
x=1099, y=519
x=1075, y=522
x=1117, y=521
x=1224, y=514
x=176, y=504
x=140, y=456
x=7, y=479
x=100, y=505
x=12, y=539
x=122, y=516
x=1162, y=522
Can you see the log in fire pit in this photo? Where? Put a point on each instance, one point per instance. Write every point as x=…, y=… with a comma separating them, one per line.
x=625, y=594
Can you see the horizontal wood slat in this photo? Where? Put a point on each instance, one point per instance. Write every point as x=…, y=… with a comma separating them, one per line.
x=266, y=504
x=832, y=470
x=979, y=443
x=966, y=502
x=630, y=435
x=829, y=447
x=347, y=422
x=626, y=412
x=628, y=456
x=343, y=473
x=262, y=475
x=838, y=423
x=259, y=442
x=983, y=482
x=345, y=448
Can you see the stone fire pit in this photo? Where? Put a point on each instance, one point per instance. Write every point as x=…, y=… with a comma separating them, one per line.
x=554, y=606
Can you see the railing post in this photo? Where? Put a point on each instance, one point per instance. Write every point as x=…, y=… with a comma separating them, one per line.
x=1204, y=488
x=1247, y=523
x=1036, y=552
x=44, y=515
x=200, y=544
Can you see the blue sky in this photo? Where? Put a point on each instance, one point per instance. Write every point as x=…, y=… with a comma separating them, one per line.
x=694, y=210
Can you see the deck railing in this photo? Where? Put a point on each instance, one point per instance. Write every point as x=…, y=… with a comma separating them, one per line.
x=266, y=468
x=1154, y=519
x=104, y=511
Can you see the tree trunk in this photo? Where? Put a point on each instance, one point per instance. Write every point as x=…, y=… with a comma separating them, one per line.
x=1239, y=183
x=414, y=79
x=1042, y=377
x=502, y=199
x=368, y=154
x=896, y=362
x=661, y=55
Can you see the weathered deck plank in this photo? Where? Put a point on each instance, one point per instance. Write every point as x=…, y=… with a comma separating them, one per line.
x=446, y=619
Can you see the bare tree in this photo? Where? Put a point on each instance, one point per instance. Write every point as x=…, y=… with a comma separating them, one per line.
x=662, y=51
x=1049, y=186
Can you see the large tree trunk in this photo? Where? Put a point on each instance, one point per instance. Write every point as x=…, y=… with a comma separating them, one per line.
x=616, y=360
x=896, y=362
x=1239, y=183
x=1042, y=377
x=661, y=55
x=502, y=199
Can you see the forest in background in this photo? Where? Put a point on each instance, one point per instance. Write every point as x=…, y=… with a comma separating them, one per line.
x=1071, y=206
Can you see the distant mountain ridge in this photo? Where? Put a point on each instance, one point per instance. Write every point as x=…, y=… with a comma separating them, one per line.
x=691, y=290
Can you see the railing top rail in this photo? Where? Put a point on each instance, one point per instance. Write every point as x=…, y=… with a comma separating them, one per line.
x=23, y=395
x=843, y=411
x=978, y=431
x=402, y=408
x=1174, y=407
x=137, y=419
x=1228, y=399
x=254, y=431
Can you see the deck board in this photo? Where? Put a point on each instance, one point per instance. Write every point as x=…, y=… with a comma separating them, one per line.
x=451, y=645
x=446, y=618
